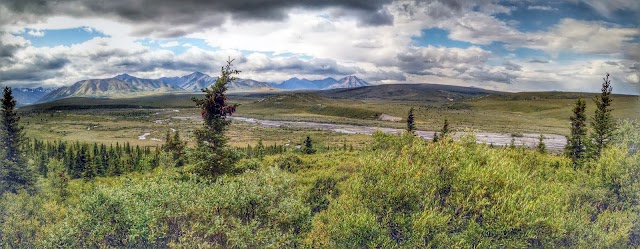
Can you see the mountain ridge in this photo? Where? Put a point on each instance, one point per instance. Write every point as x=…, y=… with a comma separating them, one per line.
x=126, y=84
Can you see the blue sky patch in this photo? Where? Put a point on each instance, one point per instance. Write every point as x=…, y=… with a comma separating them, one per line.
x=58, y=37
x=178, y=45
x=438, y=38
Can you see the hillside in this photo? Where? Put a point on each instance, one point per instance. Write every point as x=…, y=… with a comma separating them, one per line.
x=348, y=82
x=92, y=88
x=408, y=92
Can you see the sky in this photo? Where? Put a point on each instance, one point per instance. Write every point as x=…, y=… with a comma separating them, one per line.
x=509, y=45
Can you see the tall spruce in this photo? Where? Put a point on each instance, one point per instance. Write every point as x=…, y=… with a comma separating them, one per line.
x=14, y=173
x=411, y=126
x=212, y=157
x=602, y=123
x=576, y=141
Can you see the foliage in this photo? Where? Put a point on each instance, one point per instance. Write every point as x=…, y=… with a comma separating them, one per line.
x=576, y=142
x=14, y=173
x=602, y=123
x=541, y=147
x=176, y=147
x=211, y=156
x=444, y=132
x=320, y=194
x=452, y=195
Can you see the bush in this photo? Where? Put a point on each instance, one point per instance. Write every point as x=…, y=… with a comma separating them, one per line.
x=255, y=209
x=418, y=194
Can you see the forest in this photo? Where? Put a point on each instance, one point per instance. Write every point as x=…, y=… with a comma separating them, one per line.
x=400, y=191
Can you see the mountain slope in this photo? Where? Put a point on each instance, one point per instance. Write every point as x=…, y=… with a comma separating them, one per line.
x=193, y=82
x=26, y=96
x=410, y=92
x=92, y=88
x=297, y=84
x=147, y=84
x=240, y=85
x=348, y=82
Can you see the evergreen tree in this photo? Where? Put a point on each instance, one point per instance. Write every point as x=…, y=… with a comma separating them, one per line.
x=602, y=123
x=411, y=127
x=308, y=146
x=576, y=146
x=260, y=149
x=443, y=133
x=14, y=173
x=212, y=157
x=542, y=148
x=178, y=149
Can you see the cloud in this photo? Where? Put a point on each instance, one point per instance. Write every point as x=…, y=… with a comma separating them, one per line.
x=541, y=7
x=512, y=66
x=571, y=35
x=35, y=33
x=170, y=44
x=538, y=61
x=169, y=18
x=420, y=60
x=610, y=7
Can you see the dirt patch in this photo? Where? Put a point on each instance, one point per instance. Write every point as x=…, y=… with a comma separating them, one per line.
x=385, y=117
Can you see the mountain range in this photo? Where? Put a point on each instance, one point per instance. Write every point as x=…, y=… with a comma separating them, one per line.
x=27, y=96
x=127, y=85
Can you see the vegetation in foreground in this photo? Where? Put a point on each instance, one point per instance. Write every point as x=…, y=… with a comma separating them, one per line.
x=399, y=191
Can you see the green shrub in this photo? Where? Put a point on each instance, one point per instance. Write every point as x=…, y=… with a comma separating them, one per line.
x=411, y=193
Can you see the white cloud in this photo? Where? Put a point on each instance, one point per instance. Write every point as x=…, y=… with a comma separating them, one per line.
x=36, y=33
x=170, y=44
x=542, y=7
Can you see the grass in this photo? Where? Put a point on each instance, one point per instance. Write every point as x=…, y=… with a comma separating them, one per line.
x=123, y=120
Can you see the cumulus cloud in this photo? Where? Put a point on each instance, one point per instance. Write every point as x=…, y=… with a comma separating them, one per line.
x=582, y=37
x=35, y=33
x=608, y=8
x=419, y=60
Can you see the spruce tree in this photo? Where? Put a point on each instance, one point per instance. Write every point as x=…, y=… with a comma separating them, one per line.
x=14, y=173
x=177, y=148
x=602, y=122
x=542, y=148
x=308, y=146
x=443, y=133
x=576, y=142
x=212, y=157
x=411, y=127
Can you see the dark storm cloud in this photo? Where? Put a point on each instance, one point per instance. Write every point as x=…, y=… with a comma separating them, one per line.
x=171, y=18
x=38, y=69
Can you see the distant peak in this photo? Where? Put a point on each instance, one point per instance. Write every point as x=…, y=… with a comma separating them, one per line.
x=197, y=73
x=124, y=75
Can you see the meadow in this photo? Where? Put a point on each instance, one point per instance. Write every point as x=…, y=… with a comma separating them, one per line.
x=350, y=191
